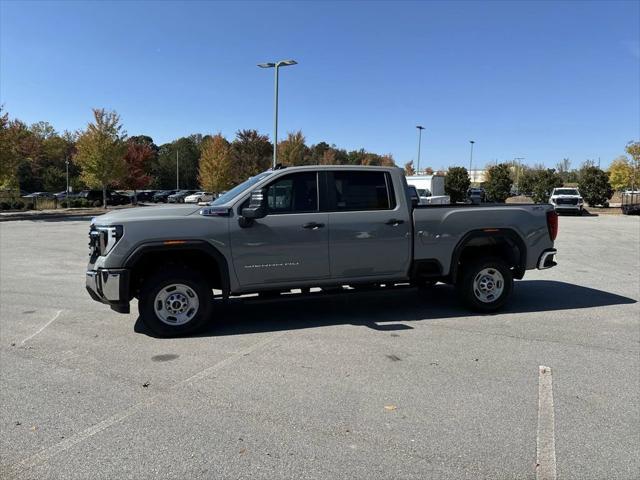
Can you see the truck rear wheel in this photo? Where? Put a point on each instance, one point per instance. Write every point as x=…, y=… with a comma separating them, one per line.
x=174, y=302
x=486, y=284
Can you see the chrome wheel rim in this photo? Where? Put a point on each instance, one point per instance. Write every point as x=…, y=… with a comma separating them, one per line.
x=488, y=285
x=176, y=304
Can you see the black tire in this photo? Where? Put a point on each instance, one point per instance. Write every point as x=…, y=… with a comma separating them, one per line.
x=178, y=275
x=470, y=295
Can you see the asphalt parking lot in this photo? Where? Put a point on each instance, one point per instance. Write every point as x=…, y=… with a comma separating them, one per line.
x=404, y=384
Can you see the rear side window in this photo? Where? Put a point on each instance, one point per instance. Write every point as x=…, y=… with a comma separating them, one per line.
x=358, y=190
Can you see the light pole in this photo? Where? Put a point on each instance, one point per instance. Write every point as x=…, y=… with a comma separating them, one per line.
x=66, y=197
x=420, y=128
x=276, y=65
x=177, y=169
x=517, y=165
x=471, y=159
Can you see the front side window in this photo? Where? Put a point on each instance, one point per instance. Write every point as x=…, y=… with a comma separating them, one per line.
x=358, y=190
x=295, y=193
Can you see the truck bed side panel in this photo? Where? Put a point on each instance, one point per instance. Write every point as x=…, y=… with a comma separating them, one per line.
x=439, y=229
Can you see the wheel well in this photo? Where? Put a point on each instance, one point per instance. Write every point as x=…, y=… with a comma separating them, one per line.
x=508, y=247
x=149, y=262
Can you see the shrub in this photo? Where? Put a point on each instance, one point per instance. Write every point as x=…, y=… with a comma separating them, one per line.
x=456, y=184
x=97, y=203
x=5, y=205
x=18, y=205
x=498, y=183
x=543, y=182
x=28, y=206
x=594, y=186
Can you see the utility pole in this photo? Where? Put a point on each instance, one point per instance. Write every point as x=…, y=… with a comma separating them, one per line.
x=177, y=169
x=420, y=128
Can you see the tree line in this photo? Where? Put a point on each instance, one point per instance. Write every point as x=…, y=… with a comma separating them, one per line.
x=537, y=182
x=34, y=157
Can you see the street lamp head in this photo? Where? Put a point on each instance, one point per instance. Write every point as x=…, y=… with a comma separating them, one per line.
x=267, y=65
x=419, y=127
x=286, y=63
x=472, y=141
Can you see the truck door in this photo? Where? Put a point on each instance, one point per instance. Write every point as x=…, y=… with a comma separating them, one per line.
x=291, y=243
x=369, y=225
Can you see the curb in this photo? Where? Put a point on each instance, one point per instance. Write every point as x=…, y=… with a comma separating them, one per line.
x=43, y=216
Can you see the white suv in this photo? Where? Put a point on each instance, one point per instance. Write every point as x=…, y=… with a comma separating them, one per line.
x=567, y=200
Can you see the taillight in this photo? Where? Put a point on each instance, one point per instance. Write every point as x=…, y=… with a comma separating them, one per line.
x=552, y=224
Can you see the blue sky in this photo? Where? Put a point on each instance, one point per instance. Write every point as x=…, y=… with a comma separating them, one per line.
x=540, y=80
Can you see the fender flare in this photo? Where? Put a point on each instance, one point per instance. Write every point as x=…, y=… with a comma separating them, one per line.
x=185, y=245
x=501, y=233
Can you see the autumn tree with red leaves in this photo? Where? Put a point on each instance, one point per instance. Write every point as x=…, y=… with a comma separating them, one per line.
x=137, y=159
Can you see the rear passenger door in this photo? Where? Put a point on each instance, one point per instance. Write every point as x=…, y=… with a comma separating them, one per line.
x=369, y=228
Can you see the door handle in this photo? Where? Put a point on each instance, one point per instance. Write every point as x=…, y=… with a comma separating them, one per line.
x=394, y=222
x=313, y=225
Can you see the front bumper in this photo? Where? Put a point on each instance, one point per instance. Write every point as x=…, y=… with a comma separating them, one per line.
x=110, y=286
x=567, y=207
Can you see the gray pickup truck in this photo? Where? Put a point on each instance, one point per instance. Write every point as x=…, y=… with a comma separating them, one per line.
x=311, y=226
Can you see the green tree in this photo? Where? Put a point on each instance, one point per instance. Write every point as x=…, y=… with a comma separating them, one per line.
x=594, y=186
x=292, y=150
x=251, y=153
x=183, y=153
x=216, y=171
x=498, y=182
x=456, y=184
x=543, y=183
x=317, y=152
x=620, y=173
x=100, y=151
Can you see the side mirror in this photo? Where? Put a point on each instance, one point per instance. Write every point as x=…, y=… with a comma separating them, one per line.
x=257, y=207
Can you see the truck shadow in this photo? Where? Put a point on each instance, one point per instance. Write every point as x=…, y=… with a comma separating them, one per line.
x=386, y=311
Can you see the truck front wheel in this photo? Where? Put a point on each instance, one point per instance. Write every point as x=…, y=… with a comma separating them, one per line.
x=485, y=284
x=176, y=301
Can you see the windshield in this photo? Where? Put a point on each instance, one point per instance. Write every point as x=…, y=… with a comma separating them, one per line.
x=237, y=190
x=566, y=191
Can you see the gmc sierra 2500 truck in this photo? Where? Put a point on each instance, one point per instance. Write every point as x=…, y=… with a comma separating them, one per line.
x=311, y=226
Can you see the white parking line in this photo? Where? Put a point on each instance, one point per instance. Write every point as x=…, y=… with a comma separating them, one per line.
x=42, y=328
x=69, y=442
x=546, y=445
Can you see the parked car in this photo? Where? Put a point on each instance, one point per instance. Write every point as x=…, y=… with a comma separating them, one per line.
x=113, y=198
x=64, y=195
x=39, y=195
x=161, y=196
x=198, y=197
x=312, y=226
x=146, y=195
x=567, y=200
x=179, y=196
x=476, y=195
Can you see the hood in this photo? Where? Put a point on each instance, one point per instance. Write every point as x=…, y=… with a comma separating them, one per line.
x=575, y=195
x=143, y=213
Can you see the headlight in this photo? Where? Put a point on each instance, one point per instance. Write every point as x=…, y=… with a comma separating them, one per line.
x=103, y=238
x=552, y=200
x=580, y=201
